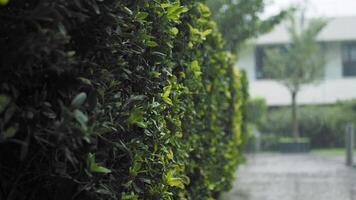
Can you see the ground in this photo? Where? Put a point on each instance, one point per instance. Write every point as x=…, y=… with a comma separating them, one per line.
x=271, y=176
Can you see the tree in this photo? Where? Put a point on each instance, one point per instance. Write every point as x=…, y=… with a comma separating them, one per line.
x=299, y=62
x=239, y=20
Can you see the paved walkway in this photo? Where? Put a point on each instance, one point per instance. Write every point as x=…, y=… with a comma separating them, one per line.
x=293, y=177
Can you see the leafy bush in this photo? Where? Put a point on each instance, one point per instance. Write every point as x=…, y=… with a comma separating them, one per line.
x=265, y=142
x=324, y=125
x=116, y=100
x=257, y=111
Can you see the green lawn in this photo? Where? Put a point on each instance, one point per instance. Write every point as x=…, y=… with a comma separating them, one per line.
x=330, y=152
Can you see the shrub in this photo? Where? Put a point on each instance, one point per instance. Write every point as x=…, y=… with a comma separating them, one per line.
x=324, y=124
x=116, y=100
x=265, y=142
x=257, y=111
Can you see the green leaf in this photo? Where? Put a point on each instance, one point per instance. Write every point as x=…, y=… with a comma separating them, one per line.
x=131, y=196
x=81, y=118
x=85, y=80
x=166, y=91
x=165, y=5
x=128, y=11
x=204, y=10
x=195, y=68
x=4, y=102
x=155, y=74
x=141, y=16
x=79, y=100
x=151, y=43
x=10, y=132
x=174, y=11
x=95, y=167
x=167, y=100
x=136, y=118
x=206, y=32
x=173, y=181
x=174, y=31
x=165, y=94
x=70, y=53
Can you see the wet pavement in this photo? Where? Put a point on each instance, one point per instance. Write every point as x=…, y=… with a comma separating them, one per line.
x=294, y=177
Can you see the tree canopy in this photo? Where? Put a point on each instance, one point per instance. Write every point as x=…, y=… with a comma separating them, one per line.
x=239, y=20
x=299, y=62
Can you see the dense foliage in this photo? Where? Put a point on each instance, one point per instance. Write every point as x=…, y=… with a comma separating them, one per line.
x=116, y=99
x=324, y=125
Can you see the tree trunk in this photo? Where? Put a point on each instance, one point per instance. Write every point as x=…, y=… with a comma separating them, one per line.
x=295, y=115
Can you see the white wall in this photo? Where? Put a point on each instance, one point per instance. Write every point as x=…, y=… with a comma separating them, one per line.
x=246, y=61
x=325, y=92
x=333, y=58
x=332, y=89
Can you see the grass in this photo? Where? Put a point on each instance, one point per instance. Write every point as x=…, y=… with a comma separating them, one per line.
x=330, y=152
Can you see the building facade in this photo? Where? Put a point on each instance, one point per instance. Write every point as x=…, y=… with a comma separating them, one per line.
x=338, y=43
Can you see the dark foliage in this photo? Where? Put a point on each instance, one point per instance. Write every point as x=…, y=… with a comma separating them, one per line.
x=115, y=99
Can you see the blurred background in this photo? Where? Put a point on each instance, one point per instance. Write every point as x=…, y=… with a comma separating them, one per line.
x=301, y=116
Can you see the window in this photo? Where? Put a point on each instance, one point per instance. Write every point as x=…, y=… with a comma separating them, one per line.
x=260, y=60
x=349, y=59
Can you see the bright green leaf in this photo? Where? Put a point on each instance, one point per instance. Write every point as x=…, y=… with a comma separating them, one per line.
x=206, y=32
x=174, y=11
x=167, y=100
x=95, y=167
x=195, y=68
x=165, y=94
x=166, y=91
x=173, y=181
x=151, y=43
x=165, y=5
x=136, y=118
x=174, y=31
x=204, y=9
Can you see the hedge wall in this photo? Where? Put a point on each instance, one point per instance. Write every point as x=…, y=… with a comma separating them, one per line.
x=115, y=99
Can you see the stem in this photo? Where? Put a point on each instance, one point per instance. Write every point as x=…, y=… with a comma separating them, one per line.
x=295, y=116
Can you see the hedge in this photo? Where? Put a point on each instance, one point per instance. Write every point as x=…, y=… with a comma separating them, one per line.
x=115, y=99
x=323, y=124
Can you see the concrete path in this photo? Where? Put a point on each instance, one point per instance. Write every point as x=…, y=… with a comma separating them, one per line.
x=293, y=177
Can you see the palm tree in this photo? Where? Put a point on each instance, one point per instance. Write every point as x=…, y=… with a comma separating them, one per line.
x=299, y=62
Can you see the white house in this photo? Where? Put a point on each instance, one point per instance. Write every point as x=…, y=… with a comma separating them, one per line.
x=338, y=40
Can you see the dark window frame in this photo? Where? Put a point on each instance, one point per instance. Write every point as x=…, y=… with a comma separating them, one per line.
x=260, y=58
x=349, y=59
x=259, y=62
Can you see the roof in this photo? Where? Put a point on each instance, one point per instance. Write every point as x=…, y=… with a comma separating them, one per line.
x=327, y=92
x=337, y=30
